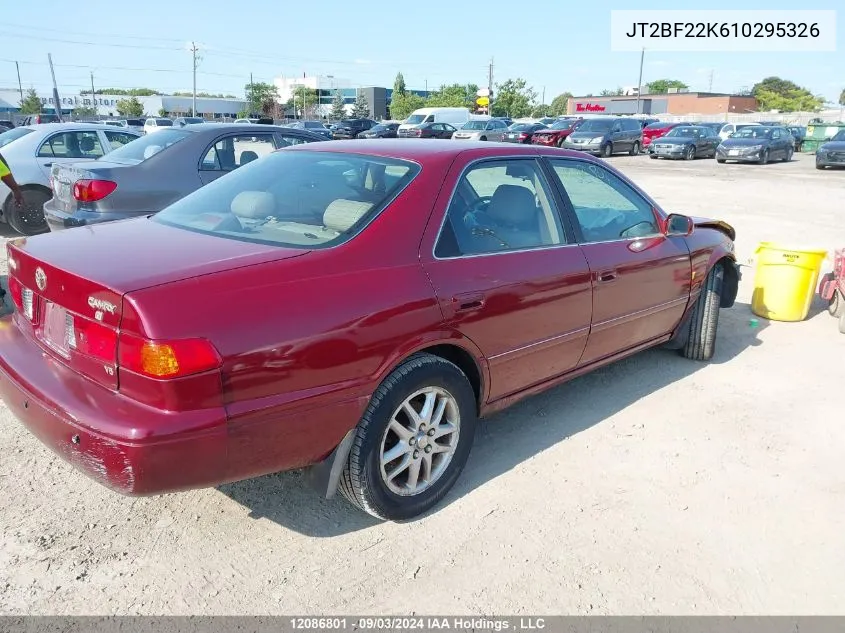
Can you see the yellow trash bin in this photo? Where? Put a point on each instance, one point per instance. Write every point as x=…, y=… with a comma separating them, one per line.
x=785, y=281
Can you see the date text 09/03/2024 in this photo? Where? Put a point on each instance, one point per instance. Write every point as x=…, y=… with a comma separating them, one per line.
x=417, y=623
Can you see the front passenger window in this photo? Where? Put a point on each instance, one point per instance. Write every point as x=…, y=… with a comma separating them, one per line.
x=499, y=206
x=606, y=208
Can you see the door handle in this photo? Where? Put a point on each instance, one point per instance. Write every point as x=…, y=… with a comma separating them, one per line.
x=48, y=164
x=464, y=303
x=606, y=276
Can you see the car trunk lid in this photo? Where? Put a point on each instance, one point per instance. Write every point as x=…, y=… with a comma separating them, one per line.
x=69, y=286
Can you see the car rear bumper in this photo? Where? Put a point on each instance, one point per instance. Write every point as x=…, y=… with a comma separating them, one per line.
x=126, y=446
x=58, y=220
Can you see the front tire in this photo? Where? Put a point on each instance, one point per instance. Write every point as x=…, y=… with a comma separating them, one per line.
x=704, y=321
x=607, y=150
x=764, y=157
x=720, y=160
x=28, y=219
x=690, y=154
x=413, y=440
x=836, y=305
x=635, y=150
x=788, y=156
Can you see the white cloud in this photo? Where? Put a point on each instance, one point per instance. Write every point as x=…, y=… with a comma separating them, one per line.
x=659, y=63
x=363, y=62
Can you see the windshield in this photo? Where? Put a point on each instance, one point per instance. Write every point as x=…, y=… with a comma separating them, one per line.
x=839, y=136
x=379, y=128
x=324, y=199
x=191, y=120
x=656, y=126
x=416, y=118
x=13, y=135
x=164, y=122
x=685, y=131
x=753, y=132
x=519, y=127
x=596, y=125
x=315, y=125
x=564, y=124
x=141, y=149
x=475, y=125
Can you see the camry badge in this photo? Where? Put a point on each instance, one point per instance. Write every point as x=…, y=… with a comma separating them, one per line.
x=102, y=305
x=40, y=278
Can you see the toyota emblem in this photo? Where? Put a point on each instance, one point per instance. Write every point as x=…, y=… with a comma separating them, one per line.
x=40, y=278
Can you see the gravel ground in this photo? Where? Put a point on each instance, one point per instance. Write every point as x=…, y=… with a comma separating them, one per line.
x=656, y=485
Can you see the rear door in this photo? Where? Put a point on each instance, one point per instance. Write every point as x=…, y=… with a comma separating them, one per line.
x=231, y=151
x=507, y=274
x=70, y=146
x=641, y=278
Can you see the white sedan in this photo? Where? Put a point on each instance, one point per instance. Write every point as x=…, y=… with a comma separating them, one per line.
x=31, y=151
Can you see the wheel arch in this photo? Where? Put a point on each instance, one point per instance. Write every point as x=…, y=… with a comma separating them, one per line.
x=4, y=207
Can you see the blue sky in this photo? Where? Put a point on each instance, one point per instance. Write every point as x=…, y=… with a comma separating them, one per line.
x=555, y=46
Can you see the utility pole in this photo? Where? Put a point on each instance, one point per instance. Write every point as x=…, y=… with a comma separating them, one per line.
x=710, y=89
x=194, y=104
x=543, y=101
x=20, y=85
x=490, y=88
x=56, y=101
x=250, y=97
x=93, y=101
x=640, y=83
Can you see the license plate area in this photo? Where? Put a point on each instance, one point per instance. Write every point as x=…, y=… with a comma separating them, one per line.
x=733, y=152
x=57, y=329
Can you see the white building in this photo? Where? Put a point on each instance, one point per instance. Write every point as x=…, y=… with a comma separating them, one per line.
x=286, y=86
x=106, y=105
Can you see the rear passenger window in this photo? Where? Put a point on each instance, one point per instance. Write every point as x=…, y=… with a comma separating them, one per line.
x=119, y=139
x=72, y=145
x=232, y=152
x=499, y=206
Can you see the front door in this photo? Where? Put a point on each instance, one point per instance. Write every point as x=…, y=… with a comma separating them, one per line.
x=506, y=274
x=641, y=278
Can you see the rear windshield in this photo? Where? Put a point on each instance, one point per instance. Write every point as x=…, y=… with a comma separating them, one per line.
x=164, y=122
x=656, y=126
x=475, y=125
x=839, y=136
x=13, y=135
x=190, y=120
x=315, y=125
x=297, y=199
x=145, y=147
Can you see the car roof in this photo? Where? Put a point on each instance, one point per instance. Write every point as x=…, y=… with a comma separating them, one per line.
x=216, y=127
x=412, y=149
x=62, y=126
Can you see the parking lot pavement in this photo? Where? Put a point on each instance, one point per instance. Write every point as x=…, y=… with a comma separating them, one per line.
x=656, y=485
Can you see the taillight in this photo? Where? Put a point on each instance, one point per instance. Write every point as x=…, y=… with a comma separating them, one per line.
x=91, y=338
x=16, y=290
x=523, y=135
x=166, y=359
x=92, y=190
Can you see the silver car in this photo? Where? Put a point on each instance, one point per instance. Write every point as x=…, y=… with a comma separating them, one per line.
x=32, y=150
x=489, y=130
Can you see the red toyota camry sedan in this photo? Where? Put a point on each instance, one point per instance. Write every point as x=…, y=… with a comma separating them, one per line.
x=352, y=309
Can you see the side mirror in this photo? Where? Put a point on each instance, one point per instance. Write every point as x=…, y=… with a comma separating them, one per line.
x=679, y=225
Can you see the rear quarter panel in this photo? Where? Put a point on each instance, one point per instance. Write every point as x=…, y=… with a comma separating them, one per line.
x=306, y=341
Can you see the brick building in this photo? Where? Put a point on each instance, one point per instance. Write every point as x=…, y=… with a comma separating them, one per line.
x=671, y=103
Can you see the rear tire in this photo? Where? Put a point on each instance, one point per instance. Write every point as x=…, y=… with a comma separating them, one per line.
x=28, y=219
x=704, y=321
x=635, y=150
x=653, y=156
x=365, y=481
x=842, y=323
x=788, y=156
x=720, y=160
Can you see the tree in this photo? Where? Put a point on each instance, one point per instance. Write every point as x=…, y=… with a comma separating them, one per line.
x=560, y=104
x=662, y=86
x=399, y=87
x=774, y=93
x=31, y=103
x=513, y=98
x=453, y=96
x=540, y=110
x=338, y=106
x=615, y=92
x=842, y=97
x=303, y=101
x=84, y=112
x=162, y=112
x=130, y=107
x=131, y=92
x=401, y=106
x=361, y=109
x=261, y=97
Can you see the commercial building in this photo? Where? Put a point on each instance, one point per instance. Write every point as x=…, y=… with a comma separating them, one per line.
x=106, y=105
x=667, y=103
